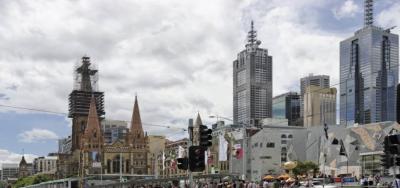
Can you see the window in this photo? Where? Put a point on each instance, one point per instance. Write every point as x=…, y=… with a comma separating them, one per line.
x=290, y=136
x=284, y=142
x=283, y=136
x=241, y=77
x=270, y=145
x=265, y=157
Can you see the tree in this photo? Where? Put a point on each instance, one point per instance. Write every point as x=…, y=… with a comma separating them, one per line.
x=303, y=168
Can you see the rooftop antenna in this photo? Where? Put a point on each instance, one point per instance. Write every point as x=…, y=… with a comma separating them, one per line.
x=368, y=12
x=252, y=35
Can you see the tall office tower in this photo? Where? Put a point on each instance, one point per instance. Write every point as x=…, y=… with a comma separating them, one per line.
x=321, y=81
x=252, y=83
x=85, y=86
x=319, y=106
x=313, y=80
x=368, y=73
x=287, y=106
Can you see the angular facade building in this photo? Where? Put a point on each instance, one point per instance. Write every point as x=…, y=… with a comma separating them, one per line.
x=368, y=74
x=252, y=83
x=287, y=106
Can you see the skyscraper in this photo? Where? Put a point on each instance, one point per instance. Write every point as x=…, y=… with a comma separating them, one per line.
x=287, y=106
x=368, y=73
x=320, y=81
x=252, y=83
x=319, y=106
x=313, y=80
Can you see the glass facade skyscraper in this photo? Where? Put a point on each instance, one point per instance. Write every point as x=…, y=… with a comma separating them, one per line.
x=287, y=106
x=252, y=83
x=368, y=75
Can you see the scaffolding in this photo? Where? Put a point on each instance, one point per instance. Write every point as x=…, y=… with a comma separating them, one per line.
x=85, y=86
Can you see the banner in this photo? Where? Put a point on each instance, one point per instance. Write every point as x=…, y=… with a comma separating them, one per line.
x=181, y=151
x=95, y=159
x=223, y=149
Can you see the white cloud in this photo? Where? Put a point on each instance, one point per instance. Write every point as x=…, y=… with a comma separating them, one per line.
x=37, y=135
x=177, y=55
x=348, y=10
x=390, y=17
x=10, y=157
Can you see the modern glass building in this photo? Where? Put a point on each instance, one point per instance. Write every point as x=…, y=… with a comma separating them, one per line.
x=252, y=83
x=368, y=74
x=114, y=130
x=287, y=106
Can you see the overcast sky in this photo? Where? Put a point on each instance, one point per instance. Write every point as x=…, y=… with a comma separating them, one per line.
x=175, y=54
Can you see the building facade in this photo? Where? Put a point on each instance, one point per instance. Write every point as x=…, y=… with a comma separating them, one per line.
x=166, y=160
x=128, y=156
x=24, y=169
x=319, y=106
x=45, y=165
x=287, y=106
x=9, y=170
x=114, y=130
x=156, y=146
x=368, y=74
x=65, y=145
x=321, y=81
x=90, y=153
x=252, y=83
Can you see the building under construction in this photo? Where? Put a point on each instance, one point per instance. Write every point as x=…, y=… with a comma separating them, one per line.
x=85, y=86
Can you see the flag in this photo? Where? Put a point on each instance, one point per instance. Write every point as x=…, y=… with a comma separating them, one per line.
x=181, y=151
x=210, y=159
x=239, y=153
x=163, y=160
x=173, y=164
x=223, y=149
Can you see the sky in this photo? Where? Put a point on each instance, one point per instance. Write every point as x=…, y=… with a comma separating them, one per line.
x=176, y=55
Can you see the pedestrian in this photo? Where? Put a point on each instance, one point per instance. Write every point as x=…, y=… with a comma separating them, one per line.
x=370, y=180
x=396, y=182
x=265, y=184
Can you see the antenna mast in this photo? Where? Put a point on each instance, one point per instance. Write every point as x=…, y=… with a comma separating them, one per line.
x=368, y=12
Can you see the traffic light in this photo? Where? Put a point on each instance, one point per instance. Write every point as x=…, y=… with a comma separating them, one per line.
x=183, y=163
x=397, y=161
x=386, y=158
x=197, y=158
x=205, y=136
x=387, y=161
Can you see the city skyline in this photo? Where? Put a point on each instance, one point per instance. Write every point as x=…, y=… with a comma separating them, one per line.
x=50, y=69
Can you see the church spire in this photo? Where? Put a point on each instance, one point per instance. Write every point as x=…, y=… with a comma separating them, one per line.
x=92, y=129
x=136, y=122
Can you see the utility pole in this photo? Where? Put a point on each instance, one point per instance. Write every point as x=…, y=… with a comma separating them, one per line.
x=245, y=142
x=190, y=130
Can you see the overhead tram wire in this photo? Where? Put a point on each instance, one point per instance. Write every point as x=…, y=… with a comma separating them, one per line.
x=66, y=114
x=165, y=126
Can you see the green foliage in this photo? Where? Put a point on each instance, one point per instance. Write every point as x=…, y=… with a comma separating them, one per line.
x=31, y=180
x=303, y=168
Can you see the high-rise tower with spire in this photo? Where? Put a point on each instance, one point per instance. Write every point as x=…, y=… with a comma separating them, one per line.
x=252, y=82
x=368, y=73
